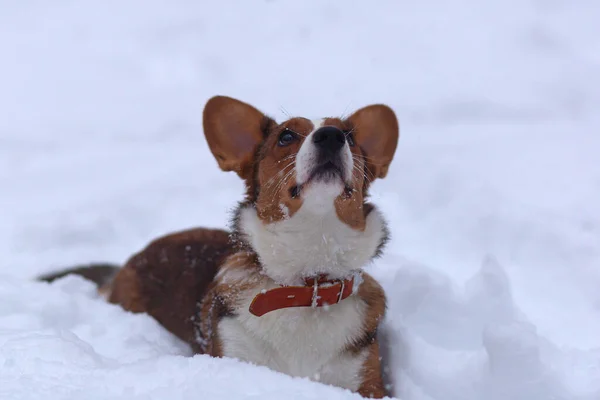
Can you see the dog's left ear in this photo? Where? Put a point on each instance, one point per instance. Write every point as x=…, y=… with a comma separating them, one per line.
x=376, y=131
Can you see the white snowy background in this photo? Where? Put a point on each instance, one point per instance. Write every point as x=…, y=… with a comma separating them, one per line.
x=493, y=273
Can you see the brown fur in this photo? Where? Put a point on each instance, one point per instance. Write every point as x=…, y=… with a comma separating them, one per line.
x=373, y=126
x=372, y=385
x=372, y=293
x=171, y=276
x=277, y=162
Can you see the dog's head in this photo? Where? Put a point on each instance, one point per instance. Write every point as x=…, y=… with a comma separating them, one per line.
x=320, y=168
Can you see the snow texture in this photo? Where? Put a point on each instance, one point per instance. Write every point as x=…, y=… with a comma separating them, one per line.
x=493, y=198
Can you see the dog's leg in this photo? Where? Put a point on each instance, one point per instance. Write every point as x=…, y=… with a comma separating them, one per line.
x=372, y=385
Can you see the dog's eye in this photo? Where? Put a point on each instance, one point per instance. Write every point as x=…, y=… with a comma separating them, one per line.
x=286, y=137
x=349, y=138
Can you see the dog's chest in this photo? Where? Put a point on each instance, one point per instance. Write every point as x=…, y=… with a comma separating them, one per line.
x=302, y=342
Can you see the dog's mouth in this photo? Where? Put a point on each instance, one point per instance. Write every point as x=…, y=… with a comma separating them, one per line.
x=326, y=172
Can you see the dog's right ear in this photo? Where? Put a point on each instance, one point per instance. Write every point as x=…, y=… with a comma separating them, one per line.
x=233, y=130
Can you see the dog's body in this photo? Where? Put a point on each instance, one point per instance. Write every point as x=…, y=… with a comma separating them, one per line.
x=285, y=288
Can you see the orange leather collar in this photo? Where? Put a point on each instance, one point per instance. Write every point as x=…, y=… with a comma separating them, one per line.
x=318, y=292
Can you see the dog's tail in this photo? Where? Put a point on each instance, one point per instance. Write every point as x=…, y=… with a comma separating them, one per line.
x=100, y=273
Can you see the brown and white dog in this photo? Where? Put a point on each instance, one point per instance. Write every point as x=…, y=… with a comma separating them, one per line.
x=285, y=288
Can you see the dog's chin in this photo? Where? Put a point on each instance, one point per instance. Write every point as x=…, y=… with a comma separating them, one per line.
x=324, y=184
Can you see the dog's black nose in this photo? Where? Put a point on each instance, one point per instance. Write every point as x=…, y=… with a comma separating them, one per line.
x=329, y=139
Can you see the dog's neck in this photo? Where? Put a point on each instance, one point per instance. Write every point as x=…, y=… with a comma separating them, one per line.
x=311, y=242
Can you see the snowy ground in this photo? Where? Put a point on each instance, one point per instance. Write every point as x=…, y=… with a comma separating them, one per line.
x=493, y=274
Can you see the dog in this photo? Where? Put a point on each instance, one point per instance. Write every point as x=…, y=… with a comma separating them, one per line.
x=285, y=286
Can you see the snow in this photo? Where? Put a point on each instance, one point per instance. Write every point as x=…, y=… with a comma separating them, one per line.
x=493, y=270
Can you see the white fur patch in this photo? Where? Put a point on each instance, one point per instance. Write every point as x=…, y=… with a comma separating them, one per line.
x=232, y=275
x=307, y=155
x=303, y=342
x=312, y=241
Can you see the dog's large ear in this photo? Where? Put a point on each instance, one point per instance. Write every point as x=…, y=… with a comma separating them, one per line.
x=233, y=130
x=376, y=131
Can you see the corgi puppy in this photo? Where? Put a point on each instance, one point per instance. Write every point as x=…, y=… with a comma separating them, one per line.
x=285, y=287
